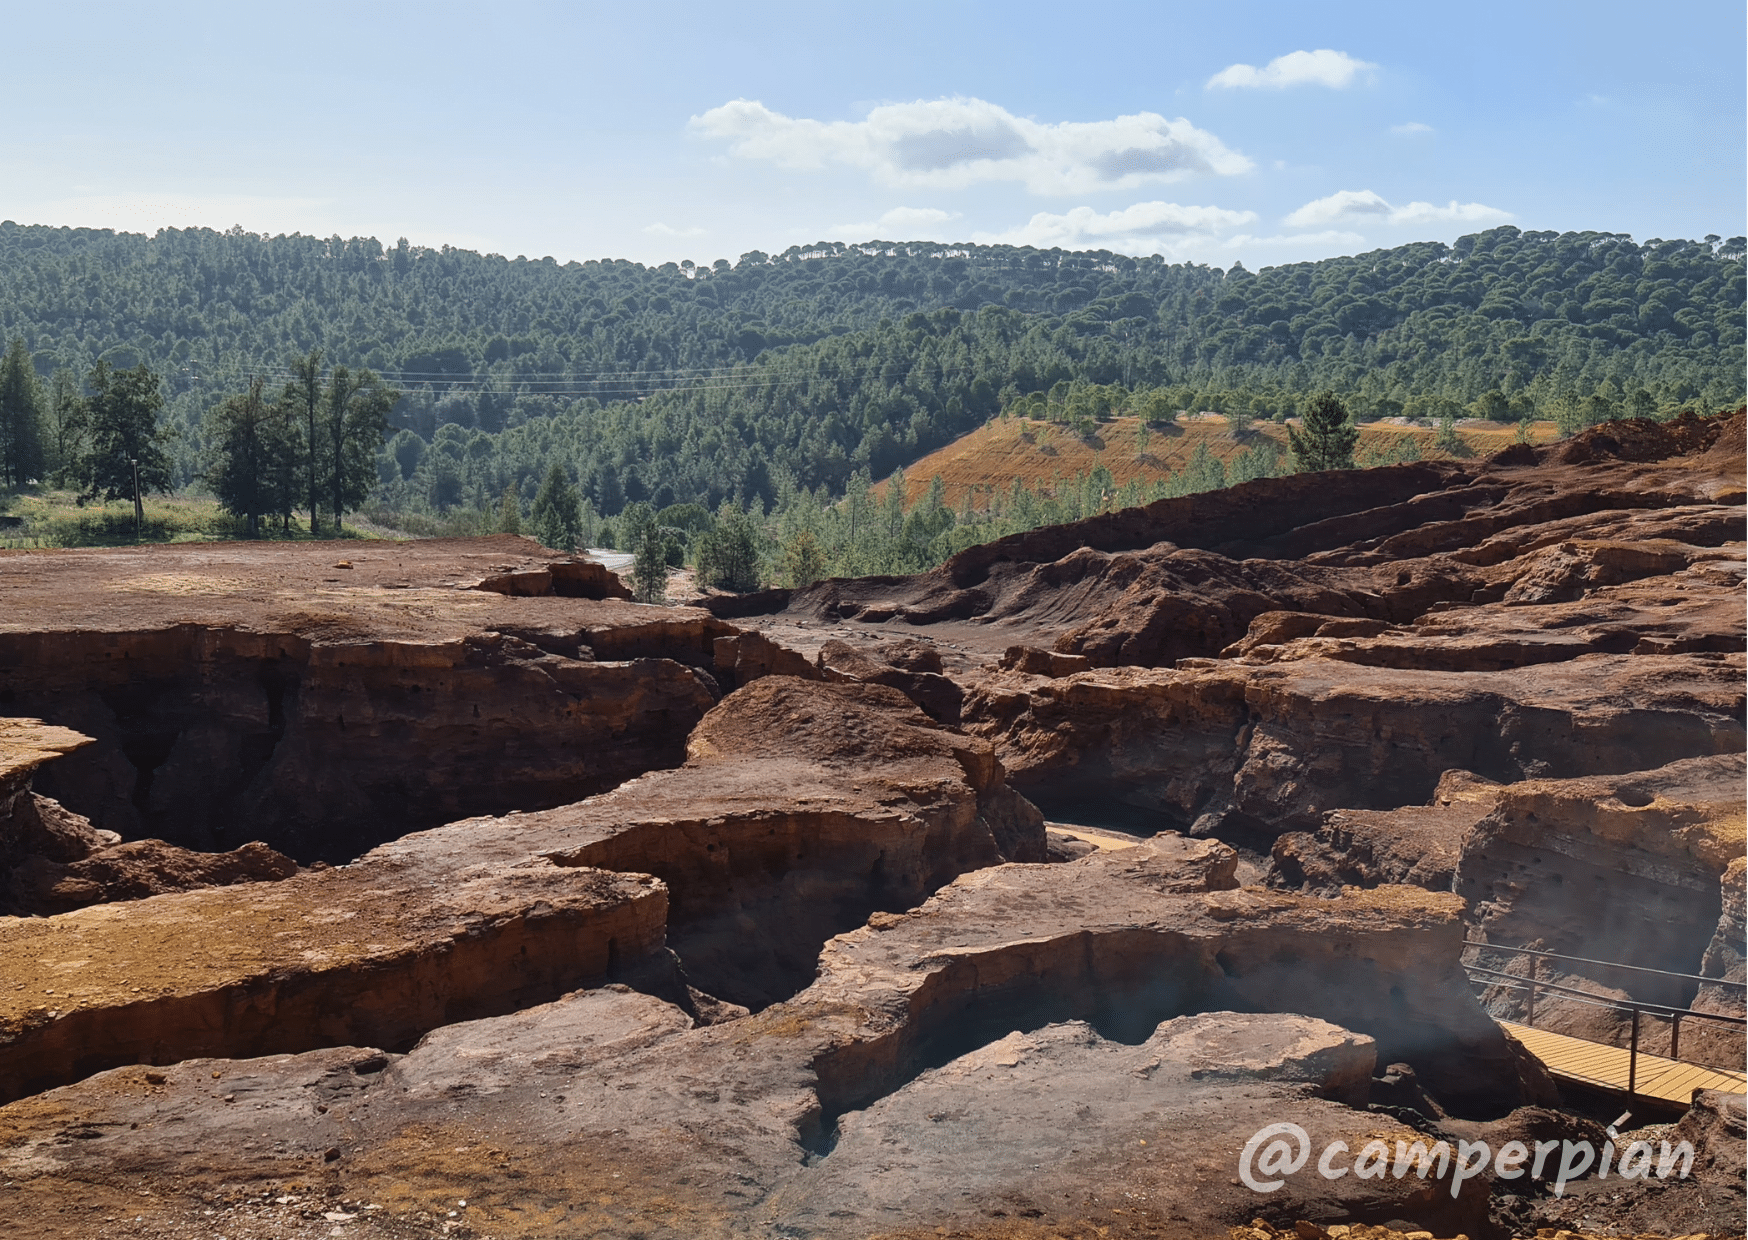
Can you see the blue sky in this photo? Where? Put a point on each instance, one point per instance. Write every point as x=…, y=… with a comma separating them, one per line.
x=1256, y=131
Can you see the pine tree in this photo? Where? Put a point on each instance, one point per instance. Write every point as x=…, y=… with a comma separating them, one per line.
x=254, y=459
x=355, y=426
x=510, y=512
x=1448, y=441
x=22, y=459
x=305, y=392
x=1328, y=439
x=556, y=520
x=803, y=560
x=728, y=554
x=68, y=419
x=649, y=567
x=124, y=407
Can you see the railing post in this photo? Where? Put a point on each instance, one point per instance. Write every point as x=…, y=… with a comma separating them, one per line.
x=1633, y=1056
x=1530, y=1012
x=1675, y=1035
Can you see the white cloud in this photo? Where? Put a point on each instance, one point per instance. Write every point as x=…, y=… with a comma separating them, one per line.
x=1410, y=127
x=1453, y=212
x=899, y=224
x=659, y=229
x=1320, y=68
x=1145, y=228
x=1341, y=205
x=954, y=143
x=1350, y=204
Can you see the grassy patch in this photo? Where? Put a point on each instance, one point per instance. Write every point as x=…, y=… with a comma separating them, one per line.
x=47, y=518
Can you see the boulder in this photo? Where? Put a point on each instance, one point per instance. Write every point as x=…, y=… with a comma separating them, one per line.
x=912, y=667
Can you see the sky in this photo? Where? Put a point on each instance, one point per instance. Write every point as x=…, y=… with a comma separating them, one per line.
x=656, y=132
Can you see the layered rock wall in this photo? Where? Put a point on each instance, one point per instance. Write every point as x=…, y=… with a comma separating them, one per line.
x=261, y=692
x=373, y=954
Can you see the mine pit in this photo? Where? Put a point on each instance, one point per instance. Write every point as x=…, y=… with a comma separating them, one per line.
x=329, y=721
x=1002, y=894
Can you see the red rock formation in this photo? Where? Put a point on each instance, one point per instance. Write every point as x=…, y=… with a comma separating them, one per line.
x=968, y=1032
x=375, y=953
x=1416, y=845
x=254, y=691
x=53, y=861
x=1277, y=745
x=801, y=809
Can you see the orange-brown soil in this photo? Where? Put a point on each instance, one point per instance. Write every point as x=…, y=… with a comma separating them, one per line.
x=987, y=460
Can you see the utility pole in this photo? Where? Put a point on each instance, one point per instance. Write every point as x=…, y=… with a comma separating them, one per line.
x=139, y=508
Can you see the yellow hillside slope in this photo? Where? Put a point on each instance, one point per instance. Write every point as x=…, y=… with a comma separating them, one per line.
x=992, y=456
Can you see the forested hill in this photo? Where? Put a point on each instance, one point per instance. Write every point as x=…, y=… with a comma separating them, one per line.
x=680, y=382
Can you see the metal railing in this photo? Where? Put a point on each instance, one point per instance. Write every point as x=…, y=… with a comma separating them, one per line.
x=1494, y=978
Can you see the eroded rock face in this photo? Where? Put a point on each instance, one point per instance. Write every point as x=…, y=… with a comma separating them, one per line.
x=1186, y=577
x=30, y=825
x=802, y=808
x=135, y=870
x=377, y=953
x=911, y=667
x=54, y=861
x=1710, y=1201
x=1625, y=868
x=1278, y=745
x=1060, y=1123
x=257, y=691
x=1123, y=940
x=987, y=1041
x=1416, y=845
x=976, y=1033
x=1642, y=869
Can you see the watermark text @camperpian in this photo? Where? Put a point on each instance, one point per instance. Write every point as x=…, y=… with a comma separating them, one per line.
x=1282, y=1150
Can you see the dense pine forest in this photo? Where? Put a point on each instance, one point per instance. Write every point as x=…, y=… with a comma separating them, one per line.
x=806, y=370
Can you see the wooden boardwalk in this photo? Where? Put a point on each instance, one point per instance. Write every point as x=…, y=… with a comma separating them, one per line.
x=1596, y=1064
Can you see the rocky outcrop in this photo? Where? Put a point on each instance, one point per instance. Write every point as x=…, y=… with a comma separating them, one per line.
x=1186, y=577
x=1078, y=1045
x=539, y=576
x=377, y=953
x=257, y=691
x=801, y=809
x=1417, y=845
x=1060, y=1123
x=863, y=1001
x=743, y=658
x=1258, y=750
x=1640, y=870
x=1036, y=662
x=912, y=667
x=1710, y=1201
x=1124, y=940
x=135, y=870
x=32, y=825
x=1625, y=868
x=1709, y=1041
x=53, y=861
